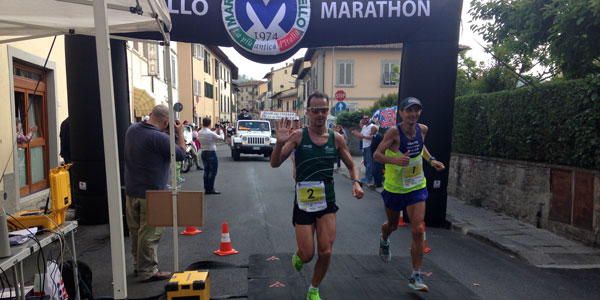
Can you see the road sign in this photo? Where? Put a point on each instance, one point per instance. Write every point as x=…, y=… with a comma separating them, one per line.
x=340, y=95
x=340, y=106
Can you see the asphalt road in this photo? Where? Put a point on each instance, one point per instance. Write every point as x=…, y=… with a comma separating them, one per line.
x=256, y=201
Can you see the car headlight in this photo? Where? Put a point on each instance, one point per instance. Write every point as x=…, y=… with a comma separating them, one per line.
x=267, y=139
x=244, y=139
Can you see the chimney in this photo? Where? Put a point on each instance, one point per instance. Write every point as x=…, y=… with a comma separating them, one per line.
x=271, y=69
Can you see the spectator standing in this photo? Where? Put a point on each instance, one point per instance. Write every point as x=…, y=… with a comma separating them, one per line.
x=24, y=138
x=147, y=160
x=377, y=167
x=340, y=129
x=208, y=141
x=366, y=137
x=65, y=141
x=245, y=115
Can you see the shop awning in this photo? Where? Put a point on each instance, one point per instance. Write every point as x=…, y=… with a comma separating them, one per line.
x=143, y=102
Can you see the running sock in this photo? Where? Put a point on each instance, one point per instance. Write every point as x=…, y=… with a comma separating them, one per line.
x=416, y=272
x=312, y=288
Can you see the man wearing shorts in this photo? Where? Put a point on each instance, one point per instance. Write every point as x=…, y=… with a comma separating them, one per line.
x=403, y=152
x=314, y=211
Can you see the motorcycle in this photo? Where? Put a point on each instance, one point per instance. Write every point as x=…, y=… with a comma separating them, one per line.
x=188, y=161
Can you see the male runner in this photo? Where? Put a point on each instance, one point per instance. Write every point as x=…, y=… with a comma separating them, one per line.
x=403, y=150
x=315, y=149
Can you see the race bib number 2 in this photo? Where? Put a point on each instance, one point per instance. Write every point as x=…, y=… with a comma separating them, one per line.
x=311, y=196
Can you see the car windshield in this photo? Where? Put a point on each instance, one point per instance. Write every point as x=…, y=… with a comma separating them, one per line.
x=253, y=126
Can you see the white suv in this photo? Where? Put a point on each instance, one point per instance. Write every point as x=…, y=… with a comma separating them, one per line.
x=252, y=137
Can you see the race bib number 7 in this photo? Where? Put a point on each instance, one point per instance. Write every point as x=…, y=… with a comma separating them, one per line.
x=311, y=196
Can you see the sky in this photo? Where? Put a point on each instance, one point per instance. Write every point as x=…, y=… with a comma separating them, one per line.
x=257, y=70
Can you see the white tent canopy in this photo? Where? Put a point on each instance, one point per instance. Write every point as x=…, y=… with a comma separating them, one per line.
x=38, y=18
x=30, y=19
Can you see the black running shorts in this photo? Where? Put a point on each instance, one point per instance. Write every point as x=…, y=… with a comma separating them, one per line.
x=301, y=217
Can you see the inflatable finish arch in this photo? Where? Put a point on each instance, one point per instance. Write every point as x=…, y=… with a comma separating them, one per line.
x=270, y=31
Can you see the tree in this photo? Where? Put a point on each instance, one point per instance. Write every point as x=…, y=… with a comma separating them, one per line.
x=562, y=36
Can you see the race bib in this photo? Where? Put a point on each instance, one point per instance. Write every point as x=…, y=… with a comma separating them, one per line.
x=412, y=174
x=311, y=196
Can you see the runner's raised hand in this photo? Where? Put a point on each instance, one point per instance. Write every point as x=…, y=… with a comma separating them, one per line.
x=282, y=130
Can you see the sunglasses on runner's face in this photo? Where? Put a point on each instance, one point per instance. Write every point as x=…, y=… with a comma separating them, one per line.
x=319, y=109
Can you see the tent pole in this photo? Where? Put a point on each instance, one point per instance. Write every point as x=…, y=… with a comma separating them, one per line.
x=111, y=156
x=167, y=59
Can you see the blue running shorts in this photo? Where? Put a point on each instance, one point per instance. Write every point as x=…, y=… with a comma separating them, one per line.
x=397, y=202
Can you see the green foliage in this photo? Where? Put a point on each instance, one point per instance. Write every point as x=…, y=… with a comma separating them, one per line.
x=389, y=100
x=563, y=36
x=350, y=119
x=556, y=123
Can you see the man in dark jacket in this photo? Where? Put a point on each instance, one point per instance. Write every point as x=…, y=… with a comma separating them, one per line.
x=377, y=167
x=245, y=115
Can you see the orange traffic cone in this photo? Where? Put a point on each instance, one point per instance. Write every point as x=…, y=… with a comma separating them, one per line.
x=425, y=249
x=225, y=248
x=401, y=221
x=191, y=231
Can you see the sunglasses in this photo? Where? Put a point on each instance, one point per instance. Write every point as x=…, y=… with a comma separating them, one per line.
x=319, y=109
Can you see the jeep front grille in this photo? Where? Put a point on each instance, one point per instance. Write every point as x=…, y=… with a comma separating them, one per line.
x=254, y=140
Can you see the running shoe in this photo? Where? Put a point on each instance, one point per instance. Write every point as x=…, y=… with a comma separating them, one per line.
x=416, y=283
x=298, y=264
x=384, y=250
x=313, y=294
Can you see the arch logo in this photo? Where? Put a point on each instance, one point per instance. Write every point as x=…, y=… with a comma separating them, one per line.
x=266, y=27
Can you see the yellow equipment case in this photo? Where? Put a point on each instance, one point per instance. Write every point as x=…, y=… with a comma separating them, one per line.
x=60, y=197
x=188, y=285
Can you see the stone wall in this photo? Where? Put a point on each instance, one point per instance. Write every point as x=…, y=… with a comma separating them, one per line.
x=524, y=190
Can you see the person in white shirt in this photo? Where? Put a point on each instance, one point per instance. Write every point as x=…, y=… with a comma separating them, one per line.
x=366, y=136
x=207, y=140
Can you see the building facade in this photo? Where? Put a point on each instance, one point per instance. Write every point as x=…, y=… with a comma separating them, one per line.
x=248, y=96
x=362, y=73
x=205, y=85
x=278, y=80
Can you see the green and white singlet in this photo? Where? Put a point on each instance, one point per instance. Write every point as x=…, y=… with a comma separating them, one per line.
x=315, y=163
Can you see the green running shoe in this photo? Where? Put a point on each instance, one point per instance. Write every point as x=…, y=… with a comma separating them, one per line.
x=313, y=294
x=416, y=283
x=298, y=264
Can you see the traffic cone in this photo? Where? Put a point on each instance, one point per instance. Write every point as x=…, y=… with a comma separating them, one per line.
x=401, y=221
x=191, y=231
x=225, y=248
x=425, y=249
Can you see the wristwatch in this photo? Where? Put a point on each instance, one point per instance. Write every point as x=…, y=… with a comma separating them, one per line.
x=359, y=182
x=431, y=160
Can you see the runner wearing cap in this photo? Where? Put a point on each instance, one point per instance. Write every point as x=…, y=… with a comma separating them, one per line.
x=403, y=152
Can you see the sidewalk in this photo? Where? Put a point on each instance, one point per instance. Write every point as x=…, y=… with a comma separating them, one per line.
x=537, y=246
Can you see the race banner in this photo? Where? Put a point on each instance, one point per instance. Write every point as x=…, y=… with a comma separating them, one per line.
x=276, y=115
x=271, y=31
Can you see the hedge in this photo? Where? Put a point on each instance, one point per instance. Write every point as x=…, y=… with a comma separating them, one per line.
x=555, y=123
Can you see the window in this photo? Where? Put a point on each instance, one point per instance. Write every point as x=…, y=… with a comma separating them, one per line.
x=208, y=90
x=206, y=62
x=136, y=46
x=388, y=76
x=198, y=51
x=197, y=87
x=287, y=105
x=31, y=109
x=281, y=86
x=345, y=73
x=174, y=70
x=217, y=67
